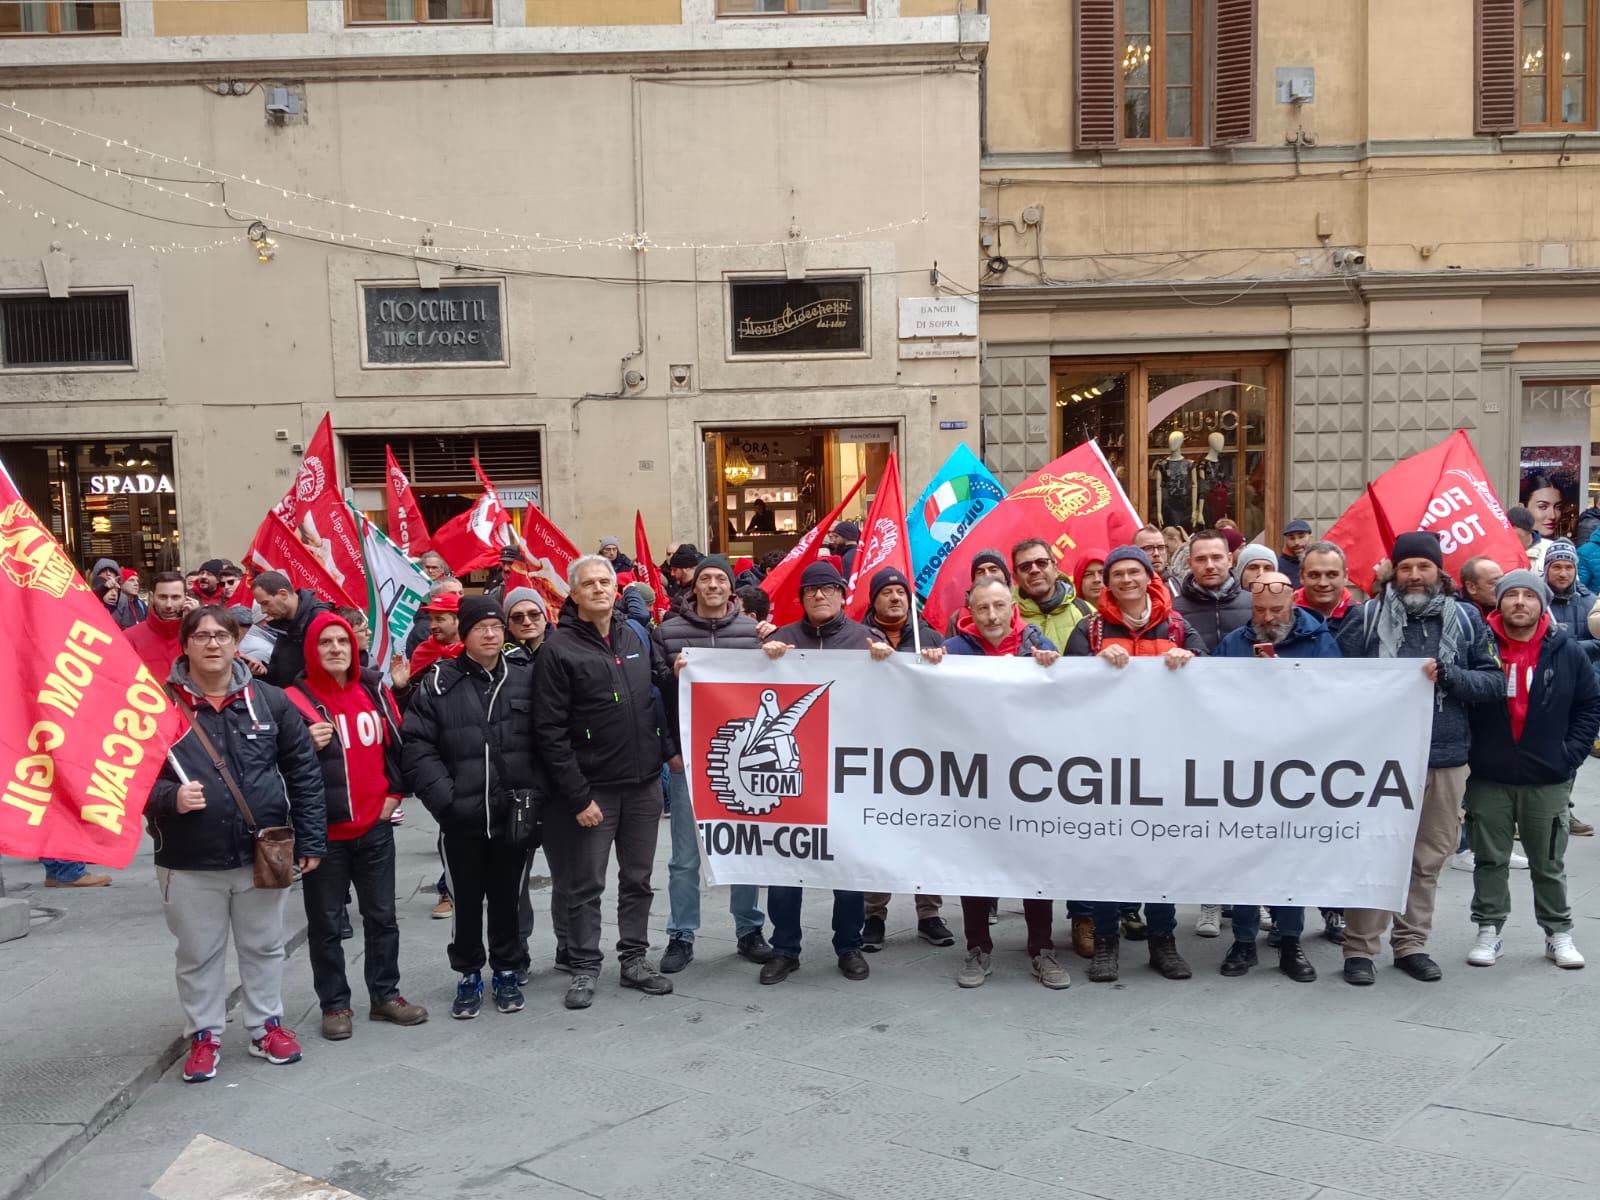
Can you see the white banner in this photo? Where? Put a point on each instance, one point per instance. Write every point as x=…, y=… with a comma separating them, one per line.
x=1258, y=781
x=396, y=589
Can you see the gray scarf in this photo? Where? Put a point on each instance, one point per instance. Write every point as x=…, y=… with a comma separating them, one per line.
x=1392, y=618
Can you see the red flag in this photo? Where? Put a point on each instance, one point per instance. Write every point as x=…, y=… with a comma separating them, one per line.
x=277, y=548
x=646, y=569
x=782, y=583
x=406, y=527
x=549, y=554
x=1445, y=490
x=315, y=477
x=474, y=540
x=1073, y=502
x=883, y=542
x=83, y=722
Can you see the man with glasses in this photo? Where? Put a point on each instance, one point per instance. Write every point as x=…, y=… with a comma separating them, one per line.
x=1044, y=597
x=1153, y=542
x=526, y=620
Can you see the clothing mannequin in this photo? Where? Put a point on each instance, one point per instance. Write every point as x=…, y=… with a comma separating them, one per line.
x=1173, y=483
x=1215, y=482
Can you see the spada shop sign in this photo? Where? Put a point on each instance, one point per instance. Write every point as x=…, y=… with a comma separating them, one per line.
x=128, y=485
x=797, y=316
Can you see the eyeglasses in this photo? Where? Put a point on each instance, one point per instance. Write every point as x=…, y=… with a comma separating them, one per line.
x=818, y=589
x=1034, y=564
x=211, y=637
x=1275, y=588
x=531, y=617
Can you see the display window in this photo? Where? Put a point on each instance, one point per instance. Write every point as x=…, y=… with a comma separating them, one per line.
x=1559, y=468
x=1193, y=440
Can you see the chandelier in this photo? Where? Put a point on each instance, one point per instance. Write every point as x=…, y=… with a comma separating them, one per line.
x=736, y=468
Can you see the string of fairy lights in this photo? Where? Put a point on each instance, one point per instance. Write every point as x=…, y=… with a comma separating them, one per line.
x=424, y=244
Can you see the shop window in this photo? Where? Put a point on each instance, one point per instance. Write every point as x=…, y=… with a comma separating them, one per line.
x=439, y=466
x=77, y=331
x=765, y=487
x=1535, y=65
x=418, y=12
x=789, y=8
x=771, y=316
x=1560, y=461
x=56, y=18
x=103, y=499
x=1192, y=440
x=1163, y=72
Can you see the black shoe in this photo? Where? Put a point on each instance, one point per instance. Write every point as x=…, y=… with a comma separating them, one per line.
x=935, y=932
x=1134, y=928
x=778, y=968
x=1105, y=965
x=1292, y=961
x=523, y=975
x=469, y=997
x=1164, y=957
x=1274, y=938
x=563, y=960
x=637, y=973
x=507, y=995
x=872, y=935
x=580, y=994
x=853, y=966
x=1240, y=958
x=1333, y=925
x=1420, y=967
x=678, y=956
x=1358, y=971
x=346, y=931
x=755, y=947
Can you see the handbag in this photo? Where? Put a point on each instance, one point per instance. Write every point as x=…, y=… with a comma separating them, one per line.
x=274, y=865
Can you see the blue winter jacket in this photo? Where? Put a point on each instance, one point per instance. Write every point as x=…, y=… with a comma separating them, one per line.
x=1308, y=639
x=1589, y=564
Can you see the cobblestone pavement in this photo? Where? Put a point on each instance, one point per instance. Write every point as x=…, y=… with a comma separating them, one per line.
x=1483, y=1086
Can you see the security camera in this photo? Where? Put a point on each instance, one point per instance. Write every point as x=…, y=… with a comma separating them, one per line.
x=1349, y=259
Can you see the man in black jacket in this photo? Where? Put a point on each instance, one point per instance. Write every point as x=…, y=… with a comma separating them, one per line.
x=1209, y=598
x=1525, y=749
x=595, y=719
x=288, y=614
x=708, y=616
x=468, y=746
x=823, y=627
x=205, y=849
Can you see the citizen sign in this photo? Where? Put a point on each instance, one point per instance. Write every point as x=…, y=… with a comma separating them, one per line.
x=128, y=485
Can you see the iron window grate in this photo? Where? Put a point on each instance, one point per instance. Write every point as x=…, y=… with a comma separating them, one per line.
x=78, y=331
x=445, y=459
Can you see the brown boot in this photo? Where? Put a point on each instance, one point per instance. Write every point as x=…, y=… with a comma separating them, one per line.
x=1106, y=964
x=81, y=881
x=1164, y=957
x=1083, y=936
x=336, y=1024
x=397, y=1012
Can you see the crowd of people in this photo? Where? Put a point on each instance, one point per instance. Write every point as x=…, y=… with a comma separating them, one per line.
x=521, y=730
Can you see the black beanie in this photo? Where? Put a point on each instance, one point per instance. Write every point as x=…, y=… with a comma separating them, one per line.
x=994, y=557
x=714, y=562
x=1417, y=545
x=887, y=577
x=474, y=610
x=685, y=555
x=822, y=573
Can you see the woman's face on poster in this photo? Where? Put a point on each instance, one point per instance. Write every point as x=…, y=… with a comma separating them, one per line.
x=1545, y=505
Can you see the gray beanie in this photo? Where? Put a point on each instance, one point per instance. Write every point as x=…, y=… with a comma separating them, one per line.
x=1251, y=553
x=517, y=595
x=1523, y=579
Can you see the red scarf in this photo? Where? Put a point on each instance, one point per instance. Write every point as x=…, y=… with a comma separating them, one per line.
x=1009, y=645
x=1520, y=661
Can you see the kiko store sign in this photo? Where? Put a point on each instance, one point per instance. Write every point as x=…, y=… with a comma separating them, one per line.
x=798, y=316
x=451, y=325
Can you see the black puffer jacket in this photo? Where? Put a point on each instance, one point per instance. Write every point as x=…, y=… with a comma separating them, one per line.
x=841, y=633
x=459, y=716
x=908, y=644
x=594, y=717
x=289, y=651
x=1563, y=715
x=335, y=768
x=684, y=626
x=1210, y=615
x=263, y=741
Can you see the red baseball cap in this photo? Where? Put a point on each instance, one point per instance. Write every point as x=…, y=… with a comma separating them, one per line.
x=450, y=602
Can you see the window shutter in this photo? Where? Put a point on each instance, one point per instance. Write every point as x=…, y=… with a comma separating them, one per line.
x=1096, y=62
x=1497, y=104
x=1231, y=72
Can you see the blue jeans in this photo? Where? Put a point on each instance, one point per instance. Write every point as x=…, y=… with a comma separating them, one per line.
x=1291, y=922
x=1085, y=908
x=683, y=875
x=849, y=911
x=1158, y=918
x=63, y=870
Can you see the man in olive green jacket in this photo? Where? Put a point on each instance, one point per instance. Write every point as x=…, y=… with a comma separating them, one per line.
x=1044, y=597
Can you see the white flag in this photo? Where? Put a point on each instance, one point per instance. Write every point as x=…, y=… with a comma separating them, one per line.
x=395, y=590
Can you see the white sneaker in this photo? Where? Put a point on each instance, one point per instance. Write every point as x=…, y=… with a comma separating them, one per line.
x=1519, y=862
x=1558, y=948
x=1464, y=861
x=1486, y=949
x=1209, y=922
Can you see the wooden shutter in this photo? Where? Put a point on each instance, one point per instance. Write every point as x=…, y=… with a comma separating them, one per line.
x=1096, y=74
x=1497, y=101
x=1231, y=72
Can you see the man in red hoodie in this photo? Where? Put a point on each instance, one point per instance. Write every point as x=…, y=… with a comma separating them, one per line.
x=156, y=637
x=355, y=726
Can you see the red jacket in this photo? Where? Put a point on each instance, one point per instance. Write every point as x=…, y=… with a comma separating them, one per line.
x=156, y=642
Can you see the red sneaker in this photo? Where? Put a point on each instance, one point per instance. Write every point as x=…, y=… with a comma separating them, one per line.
x=276, y=1044
x=201, y=1064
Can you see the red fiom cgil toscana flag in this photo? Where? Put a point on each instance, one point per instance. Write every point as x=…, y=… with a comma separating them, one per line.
x=84, y=725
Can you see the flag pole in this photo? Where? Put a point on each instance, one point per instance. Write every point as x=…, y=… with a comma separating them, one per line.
x=916, y=633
